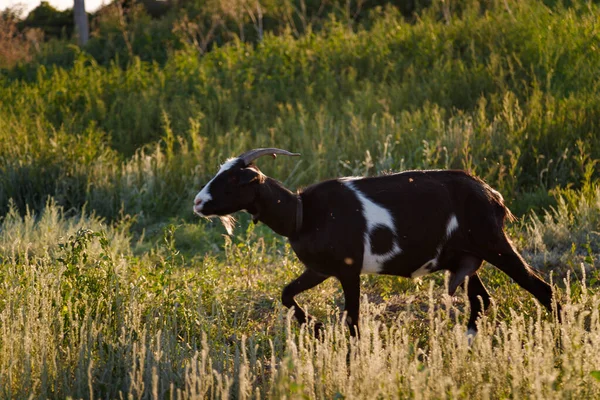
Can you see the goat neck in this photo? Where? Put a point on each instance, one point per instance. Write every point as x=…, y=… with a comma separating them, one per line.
x=277, y=207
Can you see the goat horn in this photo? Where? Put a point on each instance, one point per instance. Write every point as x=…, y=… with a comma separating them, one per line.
x=252, y=155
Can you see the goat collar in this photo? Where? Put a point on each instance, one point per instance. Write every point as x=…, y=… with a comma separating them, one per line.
x=299, y=213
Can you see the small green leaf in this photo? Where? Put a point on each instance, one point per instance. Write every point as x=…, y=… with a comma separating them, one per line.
x=595, y=374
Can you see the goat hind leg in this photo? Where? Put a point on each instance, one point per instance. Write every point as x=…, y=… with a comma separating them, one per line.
x=479, y=300
x=467, y=266
x=512, y=264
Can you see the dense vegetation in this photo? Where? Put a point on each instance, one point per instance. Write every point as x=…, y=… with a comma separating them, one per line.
x=110, y=287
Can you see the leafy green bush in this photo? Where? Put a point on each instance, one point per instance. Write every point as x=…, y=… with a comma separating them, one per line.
x=54, y=23
x=506, y=93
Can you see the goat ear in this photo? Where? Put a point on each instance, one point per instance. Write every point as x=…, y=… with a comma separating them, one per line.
x=250, y=175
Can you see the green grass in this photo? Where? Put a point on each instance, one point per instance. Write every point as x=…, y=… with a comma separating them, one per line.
x=111, y=288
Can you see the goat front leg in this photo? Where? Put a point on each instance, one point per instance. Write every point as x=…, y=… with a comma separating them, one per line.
x=351, y=287
x=308, y=280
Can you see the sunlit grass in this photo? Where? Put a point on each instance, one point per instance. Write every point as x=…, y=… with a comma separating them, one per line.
x=80, y=315
x=111, y=288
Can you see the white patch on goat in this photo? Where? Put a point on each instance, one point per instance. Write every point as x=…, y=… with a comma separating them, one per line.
x=425, y=268
x=452, y=226
x=349, y=178
x=375, y=215
x=204, y=195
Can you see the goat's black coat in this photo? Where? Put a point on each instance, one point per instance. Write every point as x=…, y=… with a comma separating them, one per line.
x=331, y=240
x=421, y=203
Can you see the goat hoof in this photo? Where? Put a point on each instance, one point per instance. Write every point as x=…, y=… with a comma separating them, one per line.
x=471, y=333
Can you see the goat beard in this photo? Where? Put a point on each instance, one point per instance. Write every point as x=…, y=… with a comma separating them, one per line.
x=228, y=223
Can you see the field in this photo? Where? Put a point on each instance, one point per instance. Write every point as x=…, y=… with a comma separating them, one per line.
x=111, y=288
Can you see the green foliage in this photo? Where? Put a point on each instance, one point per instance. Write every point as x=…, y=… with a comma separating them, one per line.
x=82, y=280
x=54, y=23
x=507, y=93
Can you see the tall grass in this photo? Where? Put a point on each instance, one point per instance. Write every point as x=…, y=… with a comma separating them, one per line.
x=107, y=290
x=81, y=316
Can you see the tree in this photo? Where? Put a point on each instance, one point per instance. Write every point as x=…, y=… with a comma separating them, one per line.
x=54, y=23
x=81, y=22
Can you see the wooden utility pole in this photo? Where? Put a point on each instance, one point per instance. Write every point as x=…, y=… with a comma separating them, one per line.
x=81, y=22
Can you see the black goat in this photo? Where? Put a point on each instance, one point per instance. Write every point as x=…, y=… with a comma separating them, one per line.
x=406, y=224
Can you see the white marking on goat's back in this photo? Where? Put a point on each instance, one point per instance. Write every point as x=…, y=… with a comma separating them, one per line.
x=349, y=178
x=204, y=195
x=452, y=225
x=375, y=215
